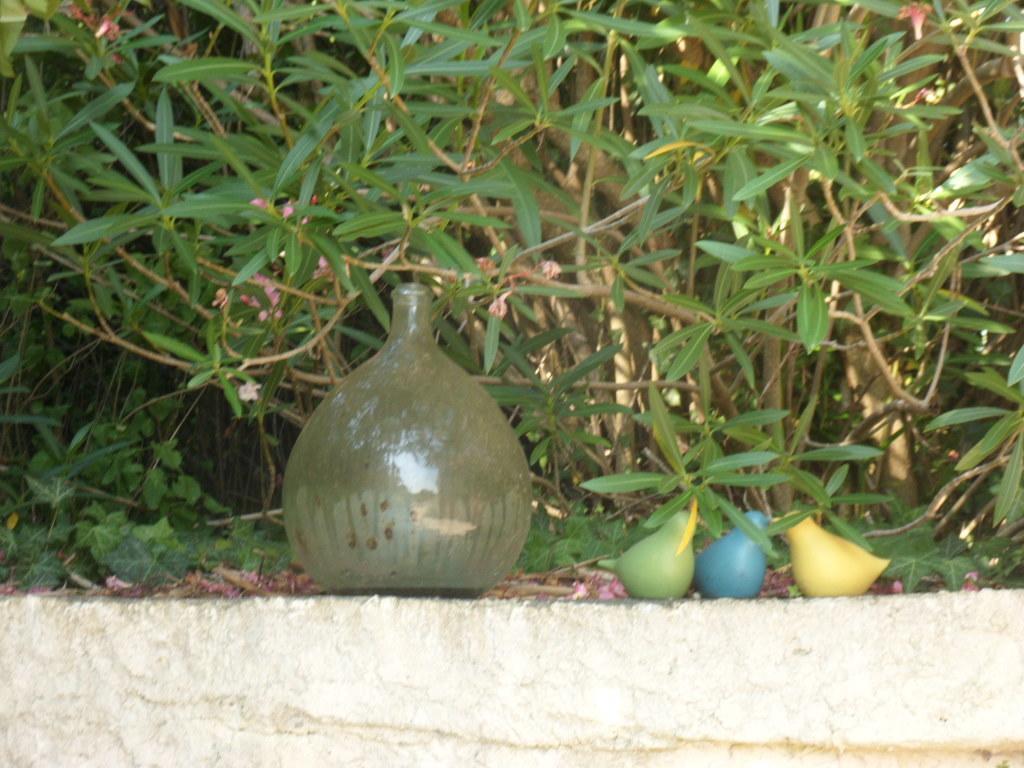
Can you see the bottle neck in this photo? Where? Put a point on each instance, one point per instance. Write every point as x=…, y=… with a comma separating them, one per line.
x=410, y=313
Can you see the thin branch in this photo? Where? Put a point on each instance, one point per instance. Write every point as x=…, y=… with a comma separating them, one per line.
x=113, y=338
x=249, y=362
x=941, y=497
x=995, y=130
x=225, y=521
x=911, y=402
x=485, y=100
x=959, y=213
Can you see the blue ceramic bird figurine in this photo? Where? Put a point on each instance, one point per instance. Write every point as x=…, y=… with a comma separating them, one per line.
x=733, y=566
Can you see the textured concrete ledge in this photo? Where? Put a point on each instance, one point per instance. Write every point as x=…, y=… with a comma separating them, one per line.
x=930, y=680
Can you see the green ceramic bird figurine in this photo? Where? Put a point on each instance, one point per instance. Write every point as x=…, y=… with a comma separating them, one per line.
x=660, y=566
x=825, y=565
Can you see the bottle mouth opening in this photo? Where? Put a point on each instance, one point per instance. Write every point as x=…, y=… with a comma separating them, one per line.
x=410, y=291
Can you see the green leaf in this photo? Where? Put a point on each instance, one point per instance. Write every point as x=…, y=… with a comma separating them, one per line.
x=175, y=347
x=1009, y=489
x=1006, y=263
x=756, y=418
x=565, y=380
x=366, y=225
x=1016, y=372
x=491, y=338
x=664, y=435
x=841, y=453
x=96, y=108
x=691, y=352
x=99, y=229
x=204, y=207
x=254, y=265
x=995, y=438
x=963, y=416
x=915, y=556
x=811, y=316
x=361, y=280
x=618, y=293
x=296, y=156
x=855, y=140
x=727, y=252
x=128, y=160
x=847, y=531
x=753, y=532
x=154, y=488
x=204, y=70
x=627, y=482
x=809, y=484
x=135, y=562
x=667, y=510
x=168, y=165
x=524, y=200
x=757, y=480
x=740, y=461
x=231, y=395
x=9, y=367
x=993, y=382
x=835, y=482
x=45, y=570
x=395, y=64
x=882, y=290
x=743, y=360
x=767, y=179
x=217, y=10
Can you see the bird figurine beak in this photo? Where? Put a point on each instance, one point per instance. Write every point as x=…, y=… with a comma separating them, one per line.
x=691, y=526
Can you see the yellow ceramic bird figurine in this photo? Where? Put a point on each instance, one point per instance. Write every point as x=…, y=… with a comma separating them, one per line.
x=825, y=565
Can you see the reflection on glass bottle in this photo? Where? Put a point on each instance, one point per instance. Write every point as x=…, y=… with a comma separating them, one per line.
x=407, y=478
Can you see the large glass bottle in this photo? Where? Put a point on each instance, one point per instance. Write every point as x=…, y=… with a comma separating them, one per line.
x=407, y=479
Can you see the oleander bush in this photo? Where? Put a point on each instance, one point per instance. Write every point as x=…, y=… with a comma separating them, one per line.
x=764, y=254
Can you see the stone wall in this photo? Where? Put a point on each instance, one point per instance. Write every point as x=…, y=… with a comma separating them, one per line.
x=922, y=680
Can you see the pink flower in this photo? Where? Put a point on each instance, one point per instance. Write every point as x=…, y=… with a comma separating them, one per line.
x=272, y=291
x=550, y=269
x=287, y=210
x=579, y=591
x=323, y=268
x=612, y=589
x=971, y=582
x=109, y=29
x=917, y=13
x=499, y=307
x=221, y=299
x=259, y=202
x=249, y=301
x=113, y=582
x=896, y=587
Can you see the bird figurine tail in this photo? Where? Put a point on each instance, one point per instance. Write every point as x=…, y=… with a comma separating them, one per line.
x=826, y=565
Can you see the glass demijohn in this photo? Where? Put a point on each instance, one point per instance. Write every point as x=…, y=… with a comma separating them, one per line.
x=407, y=479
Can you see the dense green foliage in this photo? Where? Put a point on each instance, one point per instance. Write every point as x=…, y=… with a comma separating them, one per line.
x=797, y=222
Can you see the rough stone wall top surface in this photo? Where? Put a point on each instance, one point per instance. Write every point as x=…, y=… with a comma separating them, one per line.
x=384, y=681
